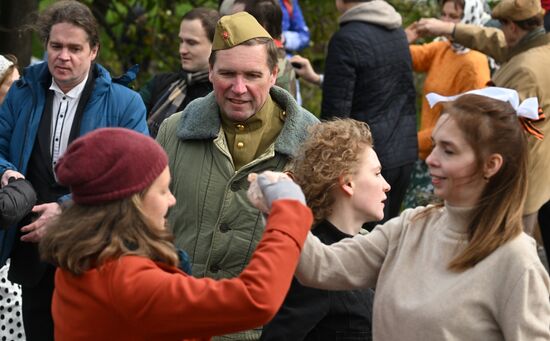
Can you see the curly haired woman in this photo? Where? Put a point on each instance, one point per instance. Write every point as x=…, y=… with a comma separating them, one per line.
x=340, y=175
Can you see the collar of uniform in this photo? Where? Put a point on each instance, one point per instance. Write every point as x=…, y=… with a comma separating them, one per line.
x=201, y=120
x=253, y=123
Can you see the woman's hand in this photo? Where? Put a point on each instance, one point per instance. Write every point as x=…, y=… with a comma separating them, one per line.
x=412, y=32
x=271, y=186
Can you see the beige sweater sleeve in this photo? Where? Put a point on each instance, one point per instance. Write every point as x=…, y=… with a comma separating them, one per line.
x=524, y=316
x=488, y=40
x=353, y=263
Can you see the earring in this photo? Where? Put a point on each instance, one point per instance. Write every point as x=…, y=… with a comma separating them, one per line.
x=486, y=178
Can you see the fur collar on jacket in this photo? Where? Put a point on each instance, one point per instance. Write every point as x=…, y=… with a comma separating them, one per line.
x=201, y=120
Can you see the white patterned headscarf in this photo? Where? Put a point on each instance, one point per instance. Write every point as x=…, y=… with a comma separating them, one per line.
x=473, y=14
x=5, y=64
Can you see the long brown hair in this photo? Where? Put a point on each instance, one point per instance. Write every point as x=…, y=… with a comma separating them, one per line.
x=86, y=236
x=491, y=126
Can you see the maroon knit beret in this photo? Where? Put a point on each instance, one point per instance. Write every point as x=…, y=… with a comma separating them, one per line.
x=109, y=164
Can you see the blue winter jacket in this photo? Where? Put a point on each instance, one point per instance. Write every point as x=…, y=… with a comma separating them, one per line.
x=295, y=30
x=110, y=105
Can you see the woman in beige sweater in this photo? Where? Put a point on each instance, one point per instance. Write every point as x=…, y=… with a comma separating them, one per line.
x=461, y=270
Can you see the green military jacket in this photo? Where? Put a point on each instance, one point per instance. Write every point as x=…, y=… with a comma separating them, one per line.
x=213, y=219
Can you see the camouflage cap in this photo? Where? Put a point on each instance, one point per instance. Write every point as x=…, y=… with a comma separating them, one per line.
x=235, y=29
x=516, y=10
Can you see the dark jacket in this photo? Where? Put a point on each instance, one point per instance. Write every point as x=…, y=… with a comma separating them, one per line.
x=368, y=77
x=158, y=85
x=315, y=315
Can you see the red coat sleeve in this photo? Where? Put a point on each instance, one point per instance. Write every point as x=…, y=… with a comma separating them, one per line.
x=174, y=304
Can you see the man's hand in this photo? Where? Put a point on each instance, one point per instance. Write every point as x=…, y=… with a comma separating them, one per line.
x=303, y=68
x=10, y=174
x=434, y=27
x=36, y=230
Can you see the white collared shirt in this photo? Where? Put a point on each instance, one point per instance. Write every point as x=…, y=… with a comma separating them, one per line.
x=63, y=113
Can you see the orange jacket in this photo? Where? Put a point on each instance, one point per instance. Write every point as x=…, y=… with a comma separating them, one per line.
x=135, y=298
x=447, y=74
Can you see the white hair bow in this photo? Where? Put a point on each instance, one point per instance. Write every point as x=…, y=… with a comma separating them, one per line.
x=529, y=108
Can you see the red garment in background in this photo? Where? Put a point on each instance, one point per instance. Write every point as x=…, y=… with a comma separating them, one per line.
x=288, y=6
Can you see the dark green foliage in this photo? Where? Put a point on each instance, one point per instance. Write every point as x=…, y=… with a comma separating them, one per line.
x=141, y=32
x=151, y=38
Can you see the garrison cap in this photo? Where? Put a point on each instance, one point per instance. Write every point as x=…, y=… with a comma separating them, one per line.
x=235, y=29
x=516, y=10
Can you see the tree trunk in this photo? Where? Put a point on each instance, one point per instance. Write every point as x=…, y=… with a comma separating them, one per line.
x=15, y=38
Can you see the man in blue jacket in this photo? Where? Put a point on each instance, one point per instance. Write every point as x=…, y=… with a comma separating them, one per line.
x=53, y=104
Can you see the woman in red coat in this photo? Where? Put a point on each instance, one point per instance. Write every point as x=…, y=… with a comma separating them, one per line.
x=117, y=276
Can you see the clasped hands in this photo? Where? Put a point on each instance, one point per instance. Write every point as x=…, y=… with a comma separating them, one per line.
x=429, y=27
x=269, y=186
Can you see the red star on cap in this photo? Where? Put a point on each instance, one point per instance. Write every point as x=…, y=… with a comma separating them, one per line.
x=225, y=35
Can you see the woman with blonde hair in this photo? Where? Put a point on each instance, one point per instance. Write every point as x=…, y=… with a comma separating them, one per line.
x=462, y=270
x=118, y=276
x=340, y=174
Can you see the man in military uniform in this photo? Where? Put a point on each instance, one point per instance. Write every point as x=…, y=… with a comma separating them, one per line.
x=245, y=125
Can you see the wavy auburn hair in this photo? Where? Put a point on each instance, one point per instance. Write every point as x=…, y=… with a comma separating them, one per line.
x=332, y=150
x=83, y=237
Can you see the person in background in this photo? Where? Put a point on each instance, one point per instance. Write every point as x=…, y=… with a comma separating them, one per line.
x=463, y=269
x=450, y=69
x=373, y=83
x=522, y=47
x=246, y=125
x=339, y=173
x=545, y=4
x=225, y=7
x=269, y=15
x=9, y=73
x=296, y=35
x=168, y=93
x=295, y=31
x=118, y=276
x=52, y=104
x=10, y=293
